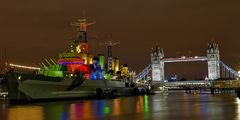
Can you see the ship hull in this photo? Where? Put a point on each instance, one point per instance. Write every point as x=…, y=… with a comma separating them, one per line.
x=35, y=88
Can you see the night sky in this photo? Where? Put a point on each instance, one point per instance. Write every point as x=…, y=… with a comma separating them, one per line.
x=31, y=30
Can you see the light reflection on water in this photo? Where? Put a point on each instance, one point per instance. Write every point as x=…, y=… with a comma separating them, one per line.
x=25, y=113
x=172, y=106
x=237, y=101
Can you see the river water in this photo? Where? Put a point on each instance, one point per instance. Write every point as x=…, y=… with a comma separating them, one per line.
x=174, y=106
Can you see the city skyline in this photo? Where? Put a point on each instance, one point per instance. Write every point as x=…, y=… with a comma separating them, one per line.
x=33, y=30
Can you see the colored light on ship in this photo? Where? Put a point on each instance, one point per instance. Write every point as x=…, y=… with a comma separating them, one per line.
x=66, y=63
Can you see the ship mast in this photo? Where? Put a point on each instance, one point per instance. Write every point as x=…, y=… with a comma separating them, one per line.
x=79, y=44
x=110, y=44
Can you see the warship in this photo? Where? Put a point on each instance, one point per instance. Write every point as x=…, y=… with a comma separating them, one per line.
x=76, y=74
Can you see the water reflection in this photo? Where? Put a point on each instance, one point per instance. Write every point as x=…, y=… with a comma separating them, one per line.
x=116, y=107
x=173, y=106
x=237, y=101
x=26, y=113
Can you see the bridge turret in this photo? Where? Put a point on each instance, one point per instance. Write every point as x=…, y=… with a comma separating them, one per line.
x=157, y=56
x=213, y=56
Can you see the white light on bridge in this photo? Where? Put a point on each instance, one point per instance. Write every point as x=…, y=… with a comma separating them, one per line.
x=183, y=57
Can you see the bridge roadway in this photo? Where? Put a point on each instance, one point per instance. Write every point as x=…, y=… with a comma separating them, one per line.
x=189, y=84
x=204, y=84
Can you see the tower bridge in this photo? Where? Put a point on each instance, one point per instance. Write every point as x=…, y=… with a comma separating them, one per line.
x=216, y=68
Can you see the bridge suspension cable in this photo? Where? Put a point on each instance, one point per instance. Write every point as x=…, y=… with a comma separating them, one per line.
x=143, y=73
x=233, y=72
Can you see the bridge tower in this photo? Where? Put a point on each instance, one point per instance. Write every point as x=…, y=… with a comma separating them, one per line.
x=157, y=64
x=213, y=61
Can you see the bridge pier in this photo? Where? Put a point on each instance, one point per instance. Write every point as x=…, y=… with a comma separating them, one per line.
x=238, y=92
x=225, y=90
x=157, y=87
x=212, y=91
x=189, y=90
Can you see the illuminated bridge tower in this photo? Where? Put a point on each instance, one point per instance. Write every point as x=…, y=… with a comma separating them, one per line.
x=157, y=64
x=213, y=61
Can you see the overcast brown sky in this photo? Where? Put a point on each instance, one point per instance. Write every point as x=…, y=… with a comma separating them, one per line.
x=34, y=29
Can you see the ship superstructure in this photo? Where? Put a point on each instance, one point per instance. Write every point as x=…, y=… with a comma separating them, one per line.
x=79, y=60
